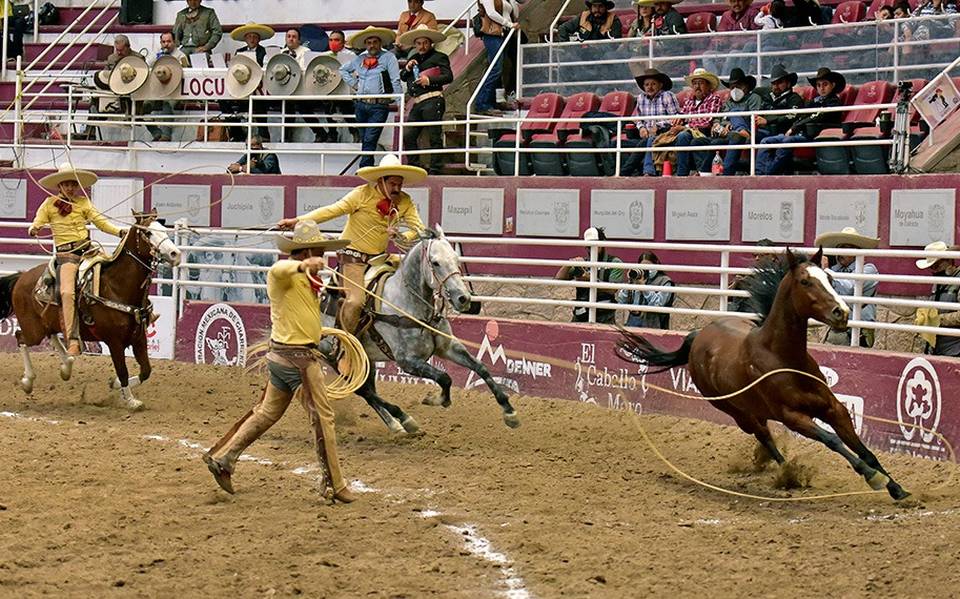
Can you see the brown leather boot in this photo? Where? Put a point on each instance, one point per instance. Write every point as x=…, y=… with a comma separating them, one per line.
x=74, y=348
x=344, y=495
x=220, y=473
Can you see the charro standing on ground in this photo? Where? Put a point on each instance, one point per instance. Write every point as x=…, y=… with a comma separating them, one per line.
x=292, y=362
x=374, y=212
x=67, y=214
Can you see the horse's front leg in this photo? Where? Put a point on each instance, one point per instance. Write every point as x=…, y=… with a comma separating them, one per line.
x=120, y=366
x=66, y=361
x=26, y=383
x=454, y=350
x=143, y=361
x=393, y=416
x=419, y=367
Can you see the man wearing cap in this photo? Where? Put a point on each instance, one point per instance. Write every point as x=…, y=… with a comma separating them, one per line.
x=948, y=291
x=373, y=72
x=703, y=100
x=828, y=85
x=604, y=275
x=168, y=47
x=292, y=362
x=261, y=162
x=732, y=130
x=67, y=215
x=425, y=73
x=655, y=100
x=851, y=238
x=375, y=212
x=595, y=23
x=780, y=96
x=666, y=19
x=415, y=16
x=197, y=28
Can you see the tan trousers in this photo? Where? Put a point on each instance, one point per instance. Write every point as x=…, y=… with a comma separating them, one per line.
x=269, y=410
x=69, y=266
x=354, y=297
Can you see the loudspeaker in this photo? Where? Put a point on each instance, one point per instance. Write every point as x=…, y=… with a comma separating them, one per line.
x=136, y=12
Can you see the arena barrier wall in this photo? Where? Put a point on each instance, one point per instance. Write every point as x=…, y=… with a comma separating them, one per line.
x=578, y=363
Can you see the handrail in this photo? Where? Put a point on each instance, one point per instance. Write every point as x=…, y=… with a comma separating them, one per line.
x=473, y=96
x=556, y=19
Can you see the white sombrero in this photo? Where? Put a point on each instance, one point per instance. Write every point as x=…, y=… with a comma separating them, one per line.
x=358, y=40
x=322, y=76
x=166, y=75
x=421, y=30
x=390, y=166
x=263, y=31
x=848, y=236
x=936, y=246
x=244, y=76
x=701, y=73
x=283, y=75
x=129, y=75
x=68, y=173
x=307, y=234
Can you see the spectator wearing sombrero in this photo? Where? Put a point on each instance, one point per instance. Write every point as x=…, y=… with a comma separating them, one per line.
x=197, y=28
x=374, y=72
x=251, y=35
x=642, y=25
x=595, y=23
x=703, y=100
x=415, y=16
x=425, y=73
x=655, y=100
x=828, y=85
x=948, y=291
x=731, y=130
x=666, y=19
x=849, y=237
x=779, y=96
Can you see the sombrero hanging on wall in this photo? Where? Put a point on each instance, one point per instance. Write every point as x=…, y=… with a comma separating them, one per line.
x=129, y=75
x=244, y=76
x=322, y=76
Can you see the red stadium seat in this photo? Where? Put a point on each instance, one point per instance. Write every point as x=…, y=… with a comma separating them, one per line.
x=852, y=11
x=724, y=94
x=871, y=13
x=551, y=163
x=836, y=160
x=848, y=95
x=872, y=160
x=701, y=22
x=547, y=105
x=619, y=103
x=576, y=106
x=683, y=95
x=806, y=92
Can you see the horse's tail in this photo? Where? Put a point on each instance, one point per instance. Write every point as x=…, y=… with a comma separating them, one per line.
x=636, y=348
x=6, y=293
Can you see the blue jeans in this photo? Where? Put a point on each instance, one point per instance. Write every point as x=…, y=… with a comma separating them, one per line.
x=488, y=93
x=683, y=158
x=774, y=162
x=367, y=112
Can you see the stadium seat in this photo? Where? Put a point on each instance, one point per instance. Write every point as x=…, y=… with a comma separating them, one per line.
x=619, y=103
x=701, y=22
x=852, y=11
x=806, y=92
x=872, y=160
x=848, y=95
x=683, y=95
x=836, y=160
x=546, y=105
x=582, y=164
x=551, y=163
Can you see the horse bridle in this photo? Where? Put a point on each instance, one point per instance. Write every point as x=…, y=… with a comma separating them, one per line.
x=440, y=298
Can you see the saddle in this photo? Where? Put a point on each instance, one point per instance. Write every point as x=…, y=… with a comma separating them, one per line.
x=379, y=268
x=88, y=276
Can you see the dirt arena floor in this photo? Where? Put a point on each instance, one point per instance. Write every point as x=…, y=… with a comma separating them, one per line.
x=97, y=502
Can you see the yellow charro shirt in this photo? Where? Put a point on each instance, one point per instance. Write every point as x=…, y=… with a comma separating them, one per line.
x=294, y=305
x=72, y=227
x=366, y=227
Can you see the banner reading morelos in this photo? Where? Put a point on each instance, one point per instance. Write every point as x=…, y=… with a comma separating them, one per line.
x=577, y=362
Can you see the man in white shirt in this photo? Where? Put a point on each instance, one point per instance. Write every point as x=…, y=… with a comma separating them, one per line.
x=307, y=109
x=168, y=47
x=497, y=18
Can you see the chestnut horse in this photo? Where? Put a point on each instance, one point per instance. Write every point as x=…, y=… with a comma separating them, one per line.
x=118, y=316
x=730, y=353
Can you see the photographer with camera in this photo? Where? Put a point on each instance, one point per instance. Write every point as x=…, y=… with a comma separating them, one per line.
x=604, y=275
x=650, y=320
x=261, y=162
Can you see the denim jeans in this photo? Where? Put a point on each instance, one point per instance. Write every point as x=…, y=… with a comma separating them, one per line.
x=774, y=162
x=368, y=112
x=685, y=138
x=488, y=93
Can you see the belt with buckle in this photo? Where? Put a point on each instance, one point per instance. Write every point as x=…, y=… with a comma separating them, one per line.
x=427, y=96
x=377, y=101
x=351, y=255
x=72, y=246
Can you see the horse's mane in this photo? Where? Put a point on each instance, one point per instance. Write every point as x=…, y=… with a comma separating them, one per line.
x=763, y=282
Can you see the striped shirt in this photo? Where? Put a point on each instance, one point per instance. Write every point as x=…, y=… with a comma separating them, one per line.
x=663, y=104
x=711, y=103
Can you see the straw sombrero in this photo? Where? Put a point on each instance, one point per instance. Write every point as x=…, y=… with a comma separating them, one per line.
x=322, y=76
x=701, y=73
x=244, y=76
x=282, y=75
x=129, y=75
x=421, y=30
x=936, y=246
x=390, y=166
x=358, y=40
x=307, y=234
x=263, y=31
x=848, y=236
x=68, y=173
x=166, y=75
x=102, y=80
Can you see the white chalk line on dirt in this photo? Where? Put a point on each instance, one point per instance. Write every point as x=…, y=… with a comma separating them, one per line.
x=475, y=543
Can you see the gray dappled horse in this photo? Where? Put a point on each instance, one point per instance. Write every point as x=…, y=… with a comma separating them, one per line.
x=427, y=278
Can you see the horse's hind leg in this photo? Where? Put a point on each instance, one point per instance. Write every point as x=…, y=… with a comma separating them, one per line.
x=26, y=383
x=66, y=361
x=751, y=425
x=459, y=354
x=423, y=369
x=120, y=366
x=393, y=416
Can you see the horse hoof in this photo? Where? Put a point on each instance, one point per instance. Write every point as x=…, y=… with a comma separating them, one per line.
x=410, y=425
x=394, y=425
x=878, y=481
x=66, y=369
x=27, y=385
x=435, y=401
x=134, y=405
x=511, y=419
x=896, y=491
x=113, y=384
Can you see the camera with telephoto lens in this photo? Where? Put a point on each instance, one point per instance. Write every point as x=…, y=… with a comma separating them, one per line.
x=634, y=273
x=904, y=89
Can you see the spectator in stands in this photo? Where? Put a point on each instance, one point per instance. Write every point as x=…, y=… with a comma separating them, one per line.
x=604, y=275
x=197, y=28
x=771, y=15
x=168, y=47
x=948, y=291
x=497, y=18
x=655, y=99
x=666, y=19
x=851, y=238
x=734, y=129
x=307, y=109
x=828, y=84
x=415, y=16
x=659, y=299
x=806, y=13
x=741, y=16
x=935, y=7
x=703, y=100
x=252, y=34
x=373, y=72
x=121, y=49
x=16, y=27
x=595, y=23
x=883, y=13
x=425, y=73
x=642, y=26
x=261, y=162
x=338, y=48
x=742, y=304
x=779, y=97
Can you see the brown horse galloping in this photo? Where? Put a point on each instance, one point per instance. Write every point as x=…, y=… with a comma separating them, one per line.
x=730, y=353
x=118, y=316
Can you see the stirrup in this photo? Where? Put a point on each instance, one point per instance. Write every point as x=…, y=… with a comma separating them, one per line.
x=74, y=348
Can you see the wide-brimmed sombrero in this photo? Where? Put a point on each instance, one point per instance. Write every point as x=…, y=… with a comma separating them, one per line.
x=102, y=80
x=848, y=236
x=701, y=73
x=936, y=246
x=422, y=30
x=780, y=72
x=838, y=80
x=390, y=166
x=244, y=76
x=322, y=76
x=307, y=234
x=358, y=40
x=129, y=75
x=738, y=76
x=68, y=173
x=282, y=75
x=263, y=31
x=165, y=76
x=641, y=75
